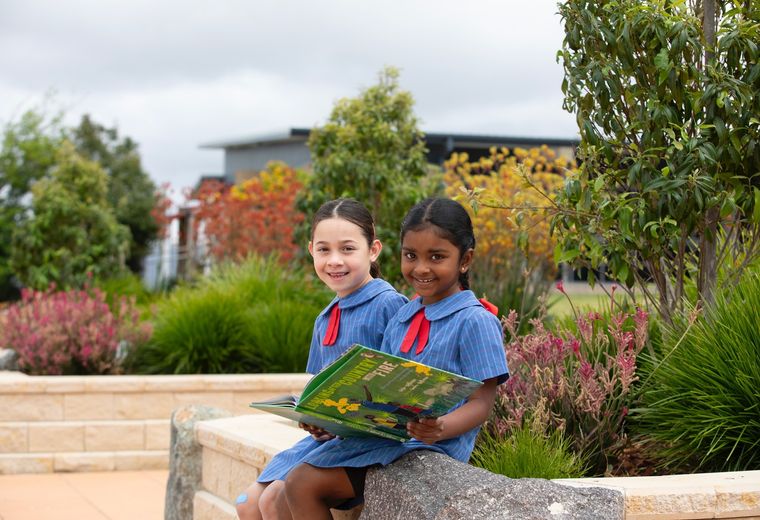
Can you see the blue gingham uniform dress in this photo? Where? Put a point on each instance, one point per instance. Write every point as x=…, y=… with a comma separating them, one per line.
x=464, y=338
x=363, y=316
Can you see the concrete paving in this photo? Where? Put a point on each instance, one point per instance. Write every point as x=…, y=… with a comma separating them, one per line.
x=118, y=495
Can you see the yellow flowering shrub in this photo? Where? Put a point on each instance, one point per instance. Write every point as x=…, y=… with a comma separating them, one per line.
x=514, y=254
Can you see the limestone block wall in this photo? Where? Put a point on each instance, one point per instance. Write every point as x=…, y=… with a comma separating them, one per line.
x=105, y=423
x=235, y=450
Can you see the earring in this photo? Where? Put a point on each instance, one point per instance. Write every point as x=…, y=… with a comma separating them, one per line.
x=464, y=269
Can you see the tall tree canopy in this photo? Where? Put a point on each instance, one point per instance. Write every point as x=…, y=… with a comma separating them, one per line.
x=71, y=233
x=131, y=192
x=372, y=150
x=29, y=153
x=667, y=97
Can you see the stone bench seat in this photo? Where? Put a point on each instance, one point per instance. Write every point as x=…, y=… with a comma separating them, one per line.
x=429, y=485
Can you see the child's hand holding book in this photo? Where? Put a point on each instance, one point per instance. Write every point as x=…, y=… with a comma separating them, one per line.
x=316, y=432
x=426, y=429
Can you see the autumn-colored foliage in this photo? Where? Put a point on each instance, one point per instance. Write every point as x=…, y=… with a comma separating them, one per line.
x=161, y=209
x=257, y=216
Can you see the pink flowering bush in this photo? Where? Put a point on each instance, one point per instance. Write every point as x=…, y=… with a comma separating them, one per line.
x=70, y=332
x=578, y=381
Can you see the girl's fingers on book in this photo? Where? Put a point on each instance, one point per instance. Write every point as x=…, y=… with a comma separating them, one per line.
x=428, y=431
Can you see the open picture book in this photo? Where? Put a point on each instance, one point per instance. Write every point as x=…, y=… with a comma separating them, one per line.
x=367, y=392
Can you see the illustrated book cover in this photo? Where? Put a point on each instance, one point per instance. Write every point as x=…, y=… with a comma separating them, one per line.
x=366, y=392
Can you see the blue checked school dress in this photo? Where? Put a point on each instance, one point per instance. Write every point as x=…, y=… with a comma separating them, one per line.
x=360, y=317
x=456, y=334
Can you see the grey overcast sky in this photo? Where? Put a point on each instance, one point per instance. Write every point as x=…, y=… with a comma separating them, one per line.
x=174, y=74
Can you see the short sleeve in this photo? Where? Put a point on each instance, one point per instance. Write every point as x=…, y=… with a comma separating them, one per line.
x=482, y=354
x=314, y=364
x=393, y=302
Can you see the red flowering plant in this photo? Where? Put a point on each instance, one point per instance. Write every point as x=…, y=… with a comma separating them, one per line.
x=71, y=332
x=578, y=380
x=257, y=216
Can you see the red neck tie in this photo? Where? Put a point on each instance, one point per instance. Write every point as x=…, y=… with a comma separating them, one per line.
x=419, y=329
x=332, y=326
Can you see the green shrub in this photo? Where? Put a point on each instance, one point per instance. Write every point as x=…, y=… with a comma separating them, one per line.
x=252, y=317
x=126, y=284
x=198, y=331
x=279, y=329
x=526, y=453
x=701, y=396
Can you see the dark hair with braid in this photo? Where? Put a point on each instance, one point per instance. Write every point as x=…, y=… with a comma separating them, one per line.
x=449, y=219
x=354, y=212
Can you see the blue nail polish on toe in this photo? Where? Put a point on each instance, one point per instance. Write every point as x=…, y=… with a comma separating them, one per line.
x=242, y=498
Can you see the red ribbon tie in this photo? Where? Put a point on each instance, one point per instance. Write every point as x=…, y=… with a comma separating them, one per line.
x=332, y=327
x=419, y=329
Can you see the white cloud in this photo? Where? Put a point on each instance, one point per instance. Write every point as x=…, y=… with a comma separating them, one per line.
x=175, y=74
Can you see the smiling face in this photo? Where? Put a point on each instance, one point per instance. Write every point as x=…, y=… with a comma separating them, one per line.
x=431, y=264
x=341, y=255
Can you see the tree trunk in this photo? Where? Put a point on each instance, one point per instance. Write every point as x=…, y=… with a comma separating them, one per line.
x=708, y=268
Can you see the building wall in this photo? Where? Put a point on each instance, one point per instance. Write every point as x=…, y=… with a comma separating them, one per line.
x=240, y=162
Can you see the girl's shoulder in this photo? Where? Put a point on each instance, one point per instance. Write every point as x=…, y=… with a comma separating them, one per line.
x=479, y=316
x=471, y=315
x=375, y=292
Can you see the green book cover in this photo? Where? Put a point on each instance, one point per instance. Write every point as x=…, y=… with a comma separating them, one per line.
x=367, y=392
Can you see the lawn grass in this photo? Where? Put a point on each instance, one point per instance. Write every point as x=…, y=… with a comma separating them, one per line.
x=584, y=299
x=559, y=305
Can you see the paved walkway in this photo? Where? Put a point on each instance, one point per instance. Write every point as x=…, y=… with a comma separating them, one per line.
x=118, y=495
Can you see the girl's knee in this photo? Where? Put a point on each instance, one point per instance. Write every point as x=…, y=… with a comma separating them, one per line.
x=299, y=479
x=269, y=501
x=247, y=503
x=247, y=508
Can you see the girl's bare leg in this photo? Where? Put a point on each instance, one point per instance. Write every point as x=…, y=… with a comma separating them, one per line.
x=273, y=504
x=247, y=503
x=311, y=491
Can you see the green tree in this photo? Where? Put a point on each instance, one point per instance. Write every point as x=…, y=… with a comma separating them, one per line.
x=371, y=150
x=71, y=232
x=667, y=96
x=131, y=192
x=27, y=154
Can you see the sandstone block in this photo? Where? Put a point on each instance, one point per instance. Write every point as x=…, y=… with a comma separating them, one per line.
x=15, y=463
x=31, y=407
x=88, y=406
x=114, y=436
x=82, y=461
x=141, y=460
x=208, y=507
x=157, y=434
x=154, y=405
x=56, y=436
x=14, y=437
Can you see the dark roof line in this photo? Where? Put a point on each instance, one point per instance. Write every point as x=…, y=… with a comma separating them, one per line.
x=301, y=134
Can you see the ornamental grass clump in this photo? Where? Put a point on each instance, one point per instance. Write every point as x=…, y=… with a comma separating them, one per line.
x=256, y=316
x=578, y=382
x=701, y=400
x=529, y=452
x=71, y=332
